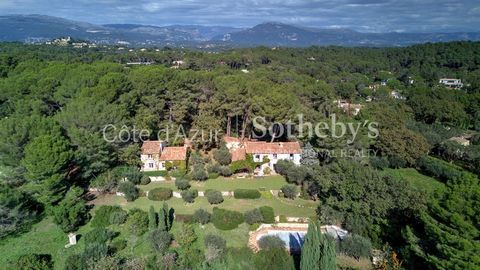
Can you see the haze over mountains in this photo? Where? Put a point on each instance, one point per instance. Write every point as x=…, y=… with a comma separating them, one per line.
x=40, y=28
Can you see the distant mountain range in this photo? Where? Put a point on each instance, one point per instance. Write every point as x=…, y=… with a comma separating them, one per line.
x=40, y=28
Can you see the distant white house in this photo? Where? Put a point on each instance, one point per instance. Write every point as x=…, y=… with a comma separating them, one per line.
x=349, y=108
x=451, y=83
x=396, y=95
x=274, y=152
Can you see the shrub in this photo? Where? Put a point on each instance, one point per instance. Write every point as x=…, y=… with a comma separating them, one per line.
x=225, y=171
x=179, y=173
x=356, y=246
x=268, y=214
x=214, y=196
x=379, y=163
x=289, y=191
x=160, y=240
x=222, y=156
x=201, y=216
x=253, y=216
x=297, y=174
x=98, y=235
x=199, y=173
x=212, y=240
x=137, y=222
x=105, y=182
x=283, y=219
x=103, y=215
x=182, y=184
x=130, y=190
x=246, y=194
x=213, y=175
x=224, y=219
x=213, y=168
x=268, y=242
x=185, y=218
x=118, y=217
x=254, y=226
x=71, y=212
x=283, y=166
x=133, y=175
x=145, y=180
x=267, y=170
x=160, y=194
x=34, y=262
x=189, y=195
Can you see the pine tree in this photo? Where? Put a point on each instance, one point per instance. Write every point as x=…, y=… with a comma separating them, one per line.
x=311, y=248
x=152, y=219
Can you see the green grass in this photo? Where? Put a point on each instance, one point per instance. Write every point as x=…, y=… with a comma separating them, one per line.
x=281, y=206
x=227, y=184
x=417, y=180
x=45, y=237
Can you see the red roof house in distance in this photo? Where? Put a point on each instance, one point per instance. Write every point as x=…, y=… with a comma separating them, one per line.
x=260, y=150
x=155, y=154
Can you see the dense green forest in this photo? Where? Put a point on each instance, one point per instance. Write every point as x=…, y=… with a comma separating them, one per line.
x=56, y=101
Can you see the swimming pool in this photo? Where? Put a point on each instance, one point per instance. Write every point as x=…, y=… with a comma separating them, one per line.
x=293, y=239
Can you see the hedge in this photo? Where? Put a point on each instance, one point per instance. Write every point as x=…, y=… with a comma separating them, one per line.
x=246, y=194
x=160, y=194
x=224, y=219
x=156, y=173
x=268, y=214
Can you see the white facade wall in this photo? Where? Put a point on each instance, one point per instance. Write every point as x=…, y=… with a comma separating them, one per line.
x=274, y=158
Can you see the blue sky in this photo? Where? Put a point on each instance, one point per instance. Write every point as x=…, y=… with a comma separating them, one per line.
x=360, y=15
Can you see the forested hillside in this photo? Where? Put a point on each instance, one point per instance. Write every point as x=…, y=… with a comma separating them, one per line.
x=55, y=103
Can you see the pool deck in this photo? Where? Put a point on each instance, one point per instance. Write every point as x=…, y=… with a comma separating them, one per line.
x=264, y=229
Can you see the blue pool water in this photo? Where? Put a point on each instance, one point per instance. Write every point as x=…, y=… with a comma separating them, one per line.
x=293, y=240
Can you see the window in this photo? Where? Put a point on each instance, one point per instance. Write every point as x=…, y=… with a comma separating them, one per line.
x=274, y=156
x=257, y=156
x=149, y=156
x=150, y=165
x=291, y=156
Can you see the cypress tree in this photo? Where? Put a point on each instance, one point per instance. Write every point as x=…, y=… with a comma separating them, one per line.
x=311, y=248
x=166, y=212
x=162, y=223
x=152, y=219
x=328, y=256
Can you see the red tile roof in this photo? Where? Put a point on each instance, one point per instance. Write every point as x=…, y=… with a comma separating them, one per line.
x=151, y=147
x=238, y=154
x=174, y=153
x=229, y=139
x=272, y=148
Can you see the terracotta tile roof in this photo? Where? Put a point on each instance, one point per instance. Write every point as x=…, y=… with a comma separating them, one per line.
x=174, y=153
x=273, y=148
x=238, y=154
x=229, y=139
x=151, y=147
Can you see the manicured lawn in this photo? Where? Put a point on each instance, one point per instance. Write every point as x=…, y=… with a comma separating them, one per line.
x=226, y=184
x=45, y=237
x=417, y=180
x=280, y=205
